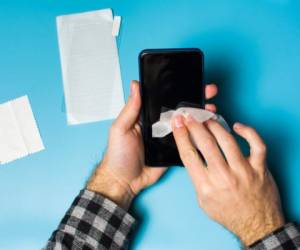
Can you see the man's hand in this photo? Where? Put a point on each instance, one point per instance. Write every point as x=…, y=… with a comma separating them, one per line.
x=236, y=191
x=122, y=174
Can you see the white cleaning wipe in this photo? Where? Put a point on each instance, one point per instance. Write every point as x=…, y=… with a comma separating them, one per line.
x=163, y=127
x=19, y=135
x=90, y=66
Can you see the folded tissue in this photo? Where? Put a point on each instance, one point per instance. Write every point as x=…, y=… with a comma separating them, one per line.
x=163, y=127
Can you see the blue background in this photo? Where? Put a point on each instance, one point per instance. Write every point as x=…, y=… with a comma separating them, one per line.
x=252, y=52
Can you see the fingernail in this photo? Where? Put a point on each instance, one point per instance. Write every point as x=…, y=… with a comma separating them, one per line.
x=178, y=121
x=238, y=125
x=132, y=89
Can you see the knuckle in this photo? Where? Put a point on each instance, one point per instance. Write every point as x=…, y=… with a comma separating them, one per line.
x=232, y=181
x=189, y=154
x=261, y=172
x=262, y=148
x=228, y=139
x=250, y=131
x=248, y=177
x=206, y=192
x=209, y=142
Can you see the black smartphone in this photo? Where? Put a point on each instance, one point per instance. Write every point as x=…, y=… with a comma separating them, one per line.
x=168, y=78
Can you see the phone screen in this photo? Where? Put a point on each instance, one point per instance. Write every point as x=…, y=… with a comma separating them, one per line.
x=168, y=77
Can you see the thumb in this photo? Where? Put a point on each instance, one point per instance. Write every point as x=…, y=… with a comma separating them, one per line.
x=130, y=113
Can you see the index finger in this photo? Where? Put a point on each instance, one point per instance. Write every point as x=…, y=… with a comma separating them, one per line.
x=187, y=151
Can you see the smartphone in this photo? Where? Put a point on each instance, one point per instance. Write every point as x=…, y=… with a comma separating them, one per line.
x=168, y=78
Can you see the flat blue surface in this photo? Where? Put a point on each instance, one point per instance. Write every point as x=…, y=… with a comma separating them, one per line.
x=252, y=51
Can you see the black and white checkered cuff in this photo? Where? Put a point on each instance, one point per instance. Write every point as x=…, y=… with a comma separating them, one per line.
x=94, y=222
x=284, y=238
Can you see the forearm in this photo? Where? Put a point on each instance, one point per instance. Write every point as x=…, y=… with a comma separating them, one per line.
x=92, y=222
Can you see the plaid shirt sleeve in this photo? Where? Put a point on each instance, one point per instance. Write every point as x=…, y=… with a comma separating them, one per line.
x=284, y=238
x=92, y=222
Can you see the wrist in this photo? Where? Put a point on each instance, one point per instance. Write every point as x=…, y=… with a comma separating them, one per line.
x=257, y=231
x=105, y=183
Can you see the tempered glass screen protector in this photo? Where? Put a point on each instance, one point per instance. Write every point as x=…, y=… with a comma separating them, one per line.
x=168, y=78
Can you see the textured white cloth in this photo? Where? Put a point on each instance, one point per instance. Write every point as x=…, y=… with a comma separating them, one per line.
x=163, y=127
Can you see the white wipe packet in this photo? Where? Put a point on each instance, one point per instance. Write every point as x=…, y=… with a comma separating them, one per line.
x=90, y=65
x=163, y=127
x=19, y=135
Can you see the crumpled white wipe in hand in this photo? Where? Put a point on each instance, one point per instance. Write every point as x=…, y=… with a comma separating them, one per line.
x=163, y=127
